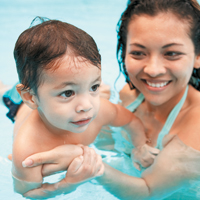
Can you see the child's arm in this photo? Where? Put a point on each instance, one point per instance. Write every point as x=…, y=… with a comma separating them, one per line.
x=25, y=179
x=116, y=115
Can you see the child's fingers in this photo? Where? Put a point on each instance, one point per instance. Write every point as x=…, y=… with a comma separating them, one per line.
x=152, y=150
x=10, y=157
x=87, y=155
x=75, y=164
x=137, y=166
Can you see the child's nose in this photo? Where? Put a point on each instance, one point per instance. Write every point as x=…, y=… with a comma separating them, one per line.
x=84, y=106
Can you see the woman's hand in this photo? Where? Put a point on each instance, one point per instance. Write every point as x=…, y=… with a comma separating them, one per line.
x=143, y=156
x=81, y=169
x=55, y=160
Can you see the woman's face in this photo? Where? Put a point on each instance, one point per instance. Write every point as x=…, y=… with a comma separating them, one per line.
x=159, y=56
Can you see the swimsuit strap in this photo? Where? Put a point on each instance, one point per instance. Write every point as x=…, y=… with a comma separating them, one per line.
x=170, y=120
x=136, y=103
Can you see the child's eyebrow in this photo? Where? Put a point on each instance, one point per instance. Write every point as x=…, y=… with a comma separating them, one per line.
x=62, y=85
x=97, y=79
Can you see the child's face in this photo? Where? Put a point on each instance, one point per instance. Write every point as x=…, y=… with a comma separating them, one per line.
x=69, y=97
x=159, y=56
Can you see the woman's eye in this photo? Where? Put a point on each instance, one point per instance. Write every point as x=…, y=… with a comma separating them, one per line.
x=137, y=54
x=172, y=55
x=94, y=88
x=68, y=93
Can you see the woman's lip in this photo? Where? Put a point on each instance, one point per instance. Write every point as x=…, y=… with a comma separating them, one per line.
x=156, y=85
x=82, y=122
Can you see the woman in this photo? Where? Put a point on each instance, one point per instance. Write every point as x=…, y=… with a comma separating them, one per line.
x=159, y=54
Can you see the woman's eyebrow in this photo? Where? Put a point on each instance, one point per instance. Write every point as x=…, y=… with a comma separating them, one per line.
x=138, y=45
x=165, y=46
x=171, y=44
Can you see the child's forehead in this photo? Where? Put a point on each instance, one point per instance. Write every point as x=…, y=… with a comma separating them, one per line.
x=72, y=64
x=71, y=67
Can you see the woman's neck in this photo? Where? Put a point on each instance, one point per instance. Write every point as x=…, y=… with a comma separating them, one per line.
x=161, y=112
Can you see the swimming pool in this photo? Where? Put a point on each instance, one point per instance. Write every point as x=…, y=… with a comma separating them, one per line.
x=99, y=19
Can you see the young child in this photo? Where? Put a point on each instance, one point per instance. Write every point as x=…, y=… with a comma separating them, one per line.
x=59, y=69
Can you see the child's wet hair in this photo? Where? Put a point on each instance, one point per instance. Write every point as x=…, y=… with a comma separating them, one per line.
x=187, y=11
x=41, y=46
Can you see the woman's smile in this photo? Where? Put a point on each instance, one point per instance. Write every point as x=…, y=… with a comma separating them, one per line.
x=156, y=85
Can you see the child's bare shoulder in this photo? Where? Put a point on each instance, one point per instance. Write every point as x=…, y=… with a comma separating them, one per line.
x=27, y=141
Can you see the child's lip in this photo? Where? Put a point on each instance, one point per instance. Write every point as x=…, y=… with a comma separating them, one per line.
x=82, y=122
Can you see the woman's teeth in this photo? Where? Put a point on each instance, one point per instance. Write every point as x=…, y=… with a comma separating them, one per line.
x=157, y=85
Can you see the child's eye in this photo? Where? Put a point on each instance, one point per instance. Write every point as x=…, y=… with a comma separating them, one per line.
x=68, y=93
x=94, y=88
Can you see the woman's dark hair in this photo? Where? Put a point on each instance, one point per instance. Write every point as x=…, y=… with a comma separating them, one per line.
x=185, y=10
x=38, y=48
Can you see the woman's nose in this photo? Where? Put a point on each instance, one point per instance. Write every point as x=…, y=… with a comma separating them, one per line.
x=154, y=67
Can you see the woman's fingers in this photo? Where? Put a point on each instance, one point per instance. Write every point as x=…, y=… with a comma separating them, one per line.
x=47, y=191
x=100, y=166
x=38, y=159
x=49, y=169
x=61, y=155
x=81, y=169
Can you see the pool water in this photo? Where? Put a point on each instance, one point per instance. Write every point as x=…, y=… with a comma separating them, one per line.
x=99, y=19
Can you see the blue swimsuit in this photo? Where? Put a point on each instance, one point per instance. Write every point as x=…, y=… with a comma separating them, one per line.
x=170, y=119
x=12, y=101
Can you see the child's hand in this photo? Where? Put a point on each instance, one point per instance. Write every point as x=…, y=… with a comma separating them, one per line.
x=81, y=169
x=105, y=91
x=143, y=156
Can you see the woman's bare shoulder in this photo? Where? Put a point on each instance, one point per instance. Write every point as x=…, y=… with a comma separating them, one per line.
x=188, y=128
x=127, y=96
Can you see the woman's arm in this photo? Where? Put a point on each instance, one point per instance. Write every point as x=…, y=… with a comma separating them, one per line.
x=167, y=174
x=80, y=170
x=173, y=169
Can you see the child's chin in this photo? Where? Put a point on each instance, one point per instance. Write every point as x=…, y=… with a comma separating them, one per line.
x=80, y=129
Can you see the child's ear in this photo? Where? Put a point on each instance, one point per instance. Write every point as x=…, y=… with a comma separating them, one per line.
x=27, y=96
x=197, y=62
